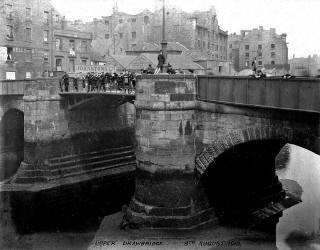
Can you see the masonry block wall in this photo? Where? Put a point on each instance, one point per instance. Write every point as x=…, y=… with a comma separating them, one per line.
x=52, y=129
x=165, y=153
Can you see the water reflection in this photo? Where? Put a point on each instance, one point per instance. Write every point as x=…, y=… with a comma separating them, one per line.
x=299, y=227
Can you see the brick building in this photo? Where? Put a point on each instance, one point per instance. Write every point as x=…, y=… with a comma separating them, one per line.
x=269, y=49
x=25, y=37
x=121, y=32
x=29, y=34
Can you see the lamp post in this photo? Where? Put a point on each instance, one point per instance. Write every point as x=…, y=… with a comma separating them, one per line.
x=164, y=42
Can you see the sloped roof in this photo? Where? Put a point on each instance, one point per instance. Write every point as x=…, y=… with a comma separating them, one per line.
x=176, y=61
x=123, y=60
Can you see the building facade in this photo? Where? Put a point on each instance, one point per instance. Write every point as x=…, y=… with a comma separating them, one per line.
x=29, y=34
x=72, y=48
x=305, y=66
x=121, y=32
x=265, y=46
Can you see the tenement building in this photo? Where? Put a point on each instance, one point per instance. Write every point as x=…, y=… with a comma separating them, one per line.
x=121, y=32
x=35, y=38
x=269, y=49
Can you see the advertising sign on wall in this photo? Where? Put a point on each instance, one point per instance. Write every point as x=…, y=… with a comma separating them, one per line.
x=95, y=69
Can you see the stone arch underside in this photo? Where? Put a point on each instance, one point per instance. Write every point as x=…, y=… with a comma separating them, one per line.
x=12, y=142
x=236, y=137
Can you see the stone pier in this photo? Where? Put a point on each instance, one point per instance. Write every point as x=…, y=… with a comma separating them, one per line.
x=167, y=194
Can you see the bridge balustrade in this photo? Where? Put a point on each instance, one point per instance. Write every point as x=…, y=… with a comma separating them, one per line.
x=301, y=94
x=84, y=87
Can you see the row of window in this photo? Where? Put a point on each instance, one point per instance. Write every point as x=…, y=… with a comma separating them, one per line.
x=133, y=35
x=132, y=20
x=272, y=54
x=72, y=47
x=28, y=12
x=259, y=63
x=272, y=46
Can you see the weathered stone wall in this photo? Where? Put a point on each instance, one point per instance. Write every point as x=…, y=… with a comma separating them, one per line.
x=51, y=129
x=220, y=127
x=165, y=152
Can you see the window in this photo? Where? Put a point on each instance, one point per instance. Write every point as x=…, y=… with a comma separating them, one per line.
x=120, y=35
x=28, y=75
x=83, y=47
x=84, y=62
x=120, y=21
x=106, y=36
x=58, y=44
x=72, y=47
x=134, y=35
x=247, y=63
x=28, y=13
x=58, y=64
x=260, y=63
x=273, y=46
x=203, y=44
x=28, y=34
x=208, y=45
x=45, y=56
x=259, y=54
x=272, y=62
x=230, y=46
x=246, y=46
x=10, y=75
x=199, y=44
x=8, y=8
x=9, y=53
x=28, y=55
x=230, y=56
x=46, y=16
x=146, y=19
x=259, y=46
x=133, y=45
x=247, y=55
x=133, y=20
x=46, y=36
x=273, y=54
x=9, y=32
x=71, y=65
x=106, y=22
x=57, y=18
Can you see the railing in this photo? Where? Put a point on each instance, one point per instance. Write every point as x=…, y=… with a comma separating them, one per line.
x=297, y=93
x=84, y=88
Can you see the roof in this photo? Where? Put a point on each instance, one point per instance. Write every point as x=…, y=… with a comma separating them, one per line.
x=173, y=46
x=176, y=61
x=123, y=60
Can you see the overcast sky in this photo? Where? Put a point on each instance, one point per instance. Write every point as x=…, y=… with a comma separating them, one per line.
x=300, y=19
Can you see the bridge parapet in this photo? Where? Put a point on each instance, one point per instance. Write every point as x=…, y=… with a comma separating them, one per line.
x=296, y=94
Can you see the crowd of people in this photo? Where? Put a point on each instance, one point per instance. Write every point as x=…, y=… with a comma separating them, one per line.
x=96, y=82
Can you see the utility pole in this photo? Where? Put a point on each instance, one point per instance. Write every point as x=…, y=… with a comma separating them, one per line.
x=164, y=42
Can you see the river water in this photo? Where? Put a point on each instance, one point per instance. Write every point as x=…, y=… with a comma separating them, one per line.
x=299, y=227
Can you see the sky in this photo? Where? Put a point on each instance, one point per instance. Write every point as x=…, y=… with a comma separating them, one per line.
x=299, y=19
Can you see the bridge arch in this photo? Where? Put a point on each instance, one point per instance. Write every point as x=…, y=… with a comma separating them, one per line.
x=11, y=142
x=242, y=136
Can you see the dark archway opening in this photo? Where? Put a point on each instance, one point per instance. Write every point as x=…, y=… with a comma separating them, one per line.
x=12, y=142
x=242, y=180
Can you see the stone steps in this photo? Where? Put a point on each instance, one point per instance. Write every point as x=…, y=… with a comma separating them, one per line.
x=76, y=165
x=93, y=153
x=80, y=161
x=92, y=166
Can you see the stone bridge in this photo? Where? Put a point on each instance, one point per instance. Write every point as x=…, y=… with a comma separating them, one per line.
x=82, y=131
x=206, y=147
